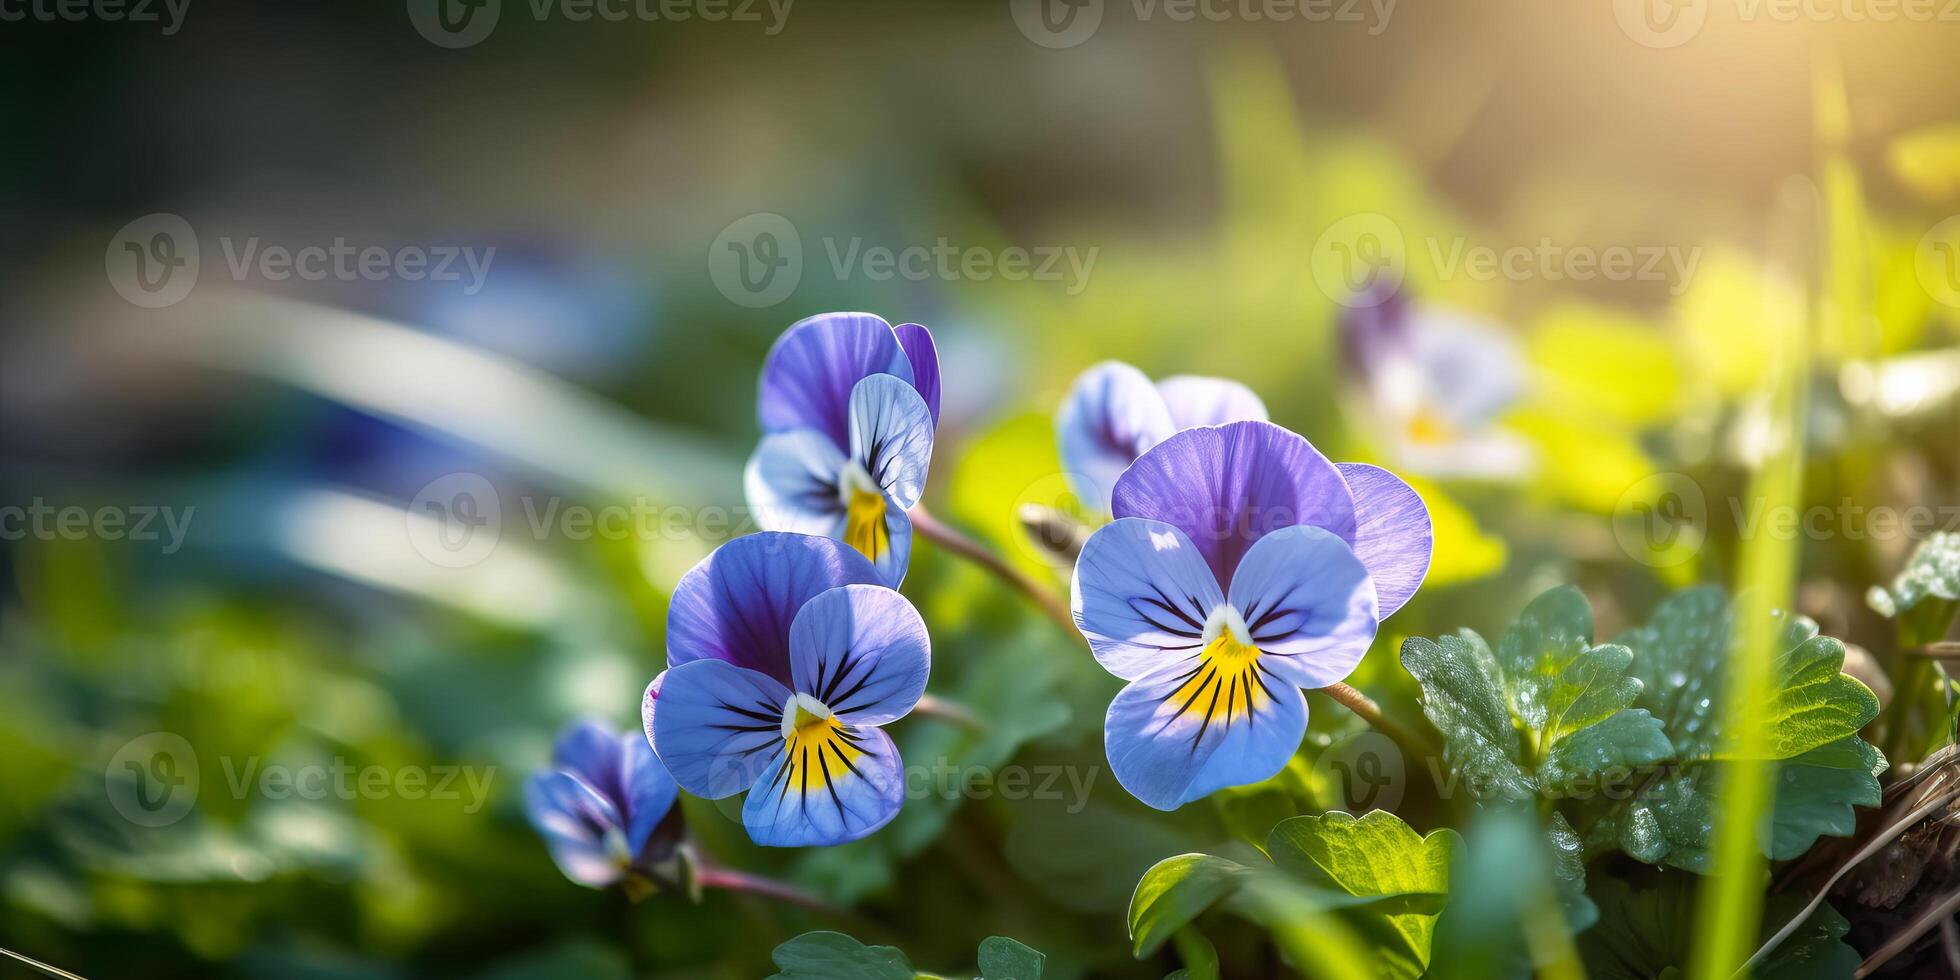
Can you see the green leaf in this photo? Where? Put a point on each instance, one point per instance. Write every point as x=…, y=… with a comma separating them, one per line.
x=1568, y=869
x=1813, y=717
x=1175, y=891
x=835, y=956
x=1002, y=958
x=1543, y=715
x=1648, y=933
x=1396, y=879
x=1375, y=858
x=1199, y=956
x=1463, y=696
x=1933, y=572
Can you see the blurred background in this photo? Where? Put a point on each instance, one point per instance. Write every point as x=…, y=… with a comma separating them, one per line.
x=290, y=290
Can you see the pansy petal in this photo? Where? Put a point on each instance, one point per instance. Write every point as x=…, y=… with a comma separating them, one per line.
x=832, y=788
x=1194, y=401
x=1472, y=369
x=1111, y=415
x=574, y=819
x=1141, y=594
x=718, y=726
x=791, y=482
x=1227, y=486
x=1187, y=730
x=648, y=702
x=738, y=603
x=1392, y=532
x=807, y=380
x=1308, y=603
x=649, y=790
x=891, y=436
x=924, y=358
x=862, y=651
x=589, y=750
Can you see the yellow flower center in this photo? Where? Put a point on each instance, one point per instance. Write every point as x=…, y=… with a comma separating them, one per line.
x=1226, y=683
x=1428, y=427
x=819, y=747
x=864, y=524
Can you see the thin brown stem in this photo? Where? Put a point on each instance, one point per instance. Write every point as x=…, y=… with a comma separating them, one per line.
x=1370, y=712
x=930, y=528
x=950, y=712
x=715, y=876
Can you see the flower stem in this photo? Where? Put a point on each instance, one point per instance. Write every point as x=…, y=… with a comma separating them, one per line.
x=1370, y=712
x=714, y=876
x=946, y=537
x=949, y=712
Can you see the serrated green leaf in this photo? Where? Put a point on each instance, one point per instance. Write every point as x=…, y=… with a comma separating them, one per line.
x=1175, y=891
x=1558, y=682
x=1463, y=696
x=1396, y=878
x=1648, y=933
x=1569, y=872
x=1812, y=719
x=1546, y=712
x=835, y=956
x=1375, y=858
x=1815, y=703
x=1002, y=958
x=1620, y=743
x=1817, y=791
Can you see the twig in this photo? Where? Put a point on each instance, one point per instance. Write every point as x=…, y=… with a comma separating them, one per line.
x=946, y=537
x=1873, y=846
x=1898, y=943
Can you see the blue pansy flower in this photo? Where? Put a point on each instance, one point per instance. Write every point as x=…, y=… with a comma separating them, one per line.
x=1241, y=567
x=1434, y=382
x=785, y=653
x=848, y=405
x=601, y=806
x=1113, y=414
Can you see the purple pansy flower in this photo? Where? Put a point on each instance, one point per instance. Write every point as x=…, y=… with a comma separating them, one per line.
x=1436, y=381
x=785, y=654
x=1241, y=567
x=848, y=405
x=1113, y=414
x=602, y=807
